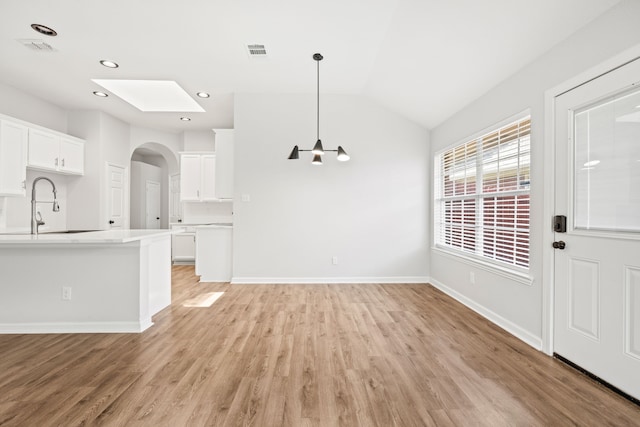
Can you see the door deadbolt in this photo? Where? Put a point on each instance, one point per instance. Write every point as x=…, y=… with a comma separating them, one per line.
x=559, y=245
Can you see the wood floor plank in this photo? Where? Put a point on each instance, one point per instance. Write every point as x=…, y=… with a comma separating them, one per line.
x=299, y=355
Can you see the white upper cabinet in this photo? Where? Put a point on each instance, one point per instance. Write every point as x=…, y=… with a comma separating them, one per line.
x=197, y=177
x=224, y=163
x=190, y=177
x=13, y=158
x=52, y=151
x=208, y=177
x=71, y=156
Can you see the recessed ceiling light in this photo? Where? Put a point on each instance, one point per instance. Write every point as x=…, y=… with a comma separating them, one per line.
x=109, y=64
x=42, y=29
x=100, y=94
x=203, y=94
x=185, y=119
x=152, y=95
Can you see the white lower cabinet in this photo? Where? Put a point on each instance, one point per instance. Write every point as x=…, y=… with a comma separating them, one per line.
x=13, y=158
x=214, y=253
x=183, y=245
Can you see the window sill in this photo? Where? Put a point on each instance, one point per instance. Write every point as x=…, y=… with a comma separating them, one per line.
x=511, y=274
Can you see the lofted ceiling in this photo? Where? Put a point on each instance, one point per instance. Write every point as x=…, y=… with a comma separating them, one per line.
x=425, y=59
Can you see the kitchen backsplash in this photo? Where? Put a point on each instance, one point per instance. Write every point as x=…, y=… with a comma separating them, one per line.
x=207, y=212
x=16, y=215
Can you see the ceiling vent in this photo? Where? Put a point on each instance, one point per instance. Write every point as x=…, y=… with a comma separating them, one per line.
x=256, y=51
x=37, y=45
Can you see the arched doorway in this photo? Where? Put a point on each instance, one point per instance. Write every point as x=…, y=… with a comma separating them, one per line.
x=152, y=165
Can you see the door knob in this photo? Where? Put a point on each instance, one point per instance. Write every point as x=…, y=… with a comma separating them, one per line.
x=111, y=221
x=157, y=217
x=559, y=245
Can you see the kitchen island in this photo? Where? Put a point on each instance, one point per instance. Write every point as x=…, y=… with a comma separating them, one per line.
x=99, y=281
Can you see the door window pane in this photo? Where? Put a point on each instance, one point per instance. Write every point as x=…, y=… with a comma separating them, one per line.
x=607, y=164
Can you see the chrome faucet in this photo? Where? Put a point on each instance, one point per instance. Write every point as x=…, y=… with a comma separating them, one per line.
x=36, y=218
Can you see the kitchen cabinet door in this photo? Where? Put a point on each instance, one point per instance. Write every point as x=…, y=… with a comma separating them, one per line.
x=44, y=148
x=13, y=159
x=71, y=156
x=208, y=178
x=190, y=177
x=183, y=247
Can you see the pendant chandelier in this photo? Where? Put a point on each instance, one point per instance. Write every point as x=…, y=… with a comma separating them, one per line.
x=317, y=150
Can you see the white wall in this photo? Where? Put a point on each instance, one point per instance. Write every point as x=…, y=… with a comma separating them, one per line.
x=206, y=212
x=516, y=306
x=21, y=105
x=106, y=140
x=370, y=212
x=198, y=141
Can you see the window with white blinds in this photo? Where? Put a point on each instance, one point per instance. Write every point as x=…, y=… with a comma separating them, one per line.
x=482, y=195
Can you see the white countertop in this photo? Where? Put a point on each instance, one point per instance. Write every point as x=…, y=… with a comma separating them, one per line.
x=197, y=224
x=218, y=225
x=89, y=237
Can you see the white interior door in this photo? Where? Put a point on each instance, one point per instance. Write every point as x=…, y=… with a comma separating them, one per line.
x=175, y=206
x=597, y=273
x=153, y=204
x=116, y=203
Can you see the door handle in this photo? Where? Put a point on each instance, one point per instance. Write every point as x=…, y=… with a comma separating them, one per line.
x=559, y=245
x=111, y=221
x=157, y=217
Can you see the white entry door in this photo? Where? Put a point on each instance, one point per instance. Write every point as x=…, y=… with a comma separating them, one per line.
x=597, y=259
x=116, y=181
x=153, y=204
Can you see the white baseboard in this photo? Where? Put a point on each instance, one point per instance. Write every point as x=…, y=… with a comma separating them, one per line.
x=325, y=280
x=74, y=328
x=214, y=279
x=515, y=330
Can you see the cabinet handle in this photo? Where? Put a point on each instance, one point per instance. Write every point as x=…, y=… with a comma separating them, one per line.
x=62, y=162
x=56, y=162
x=24, y=184
x=198, y=193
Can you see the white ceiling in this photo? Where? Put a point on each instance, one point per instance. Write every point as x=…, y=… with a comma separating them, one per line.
x=425, y=59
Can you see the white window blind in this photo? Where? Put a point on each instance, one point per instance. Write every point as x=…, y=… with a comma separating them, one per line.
x=482, y=195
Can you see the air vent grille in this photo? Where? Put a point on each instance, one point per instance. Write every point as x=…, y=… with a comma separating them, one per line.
x=37, y=45
x=256, y=50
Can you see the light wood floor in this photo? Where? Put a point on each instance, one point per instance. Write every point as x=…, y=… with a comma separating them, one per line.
x=299, y=355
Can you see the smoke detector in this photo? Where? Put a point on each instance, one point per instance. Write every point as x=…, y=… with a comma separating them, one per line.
x=256, y=51
x=37, y=45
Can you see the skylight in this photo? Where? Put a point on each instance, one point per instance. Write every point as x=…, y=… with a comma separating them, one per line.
x=152, y=95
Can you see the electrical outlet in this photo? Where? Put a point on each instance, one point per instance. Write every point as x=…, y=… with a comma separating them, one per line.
x=334, y=260
x=66, y=293
x=472, y=277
